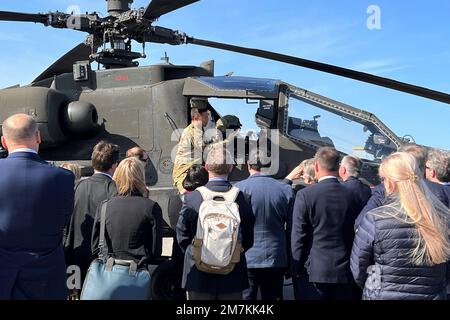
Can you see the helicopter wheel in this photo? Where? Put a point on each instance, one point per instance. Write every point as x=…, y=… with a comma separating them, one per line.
x=165, y=283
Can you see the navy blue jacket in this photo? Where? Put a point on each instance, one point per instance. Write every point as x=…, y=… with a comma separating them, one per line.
x=322, y=232
x=384, y=243
x=272, y=203
x=447, y=192
x=361, y=191
x=36, y=201
x=378, y=197
x=202, y=282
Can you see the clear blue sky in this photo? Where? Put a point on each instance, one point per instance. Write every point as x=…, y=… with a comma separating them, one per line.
x=412, y=46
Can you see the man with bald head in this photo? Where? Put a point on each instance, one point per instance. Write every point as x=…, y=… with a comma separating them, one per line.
x=36, y=201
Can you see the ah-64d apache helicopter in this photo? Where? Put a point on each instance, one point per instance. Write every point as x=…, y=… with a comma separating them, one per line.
x=76, y=106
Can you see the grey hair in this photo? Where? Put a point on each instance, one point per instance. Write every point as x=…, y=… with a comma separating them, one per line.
x=418, y=152
x=219, y=160
x=353, y=165
x=439, y=161
x=19, y=127
x=308, y=168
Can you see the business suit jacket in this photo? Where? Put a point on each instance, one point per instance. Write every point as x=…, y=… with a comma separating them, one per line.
x=272, y=203
x=133, y=229
x=360, y=190
x=89, y=194
x=322, y=232
x=446, y=189
x=202, y=282
x=36, y=201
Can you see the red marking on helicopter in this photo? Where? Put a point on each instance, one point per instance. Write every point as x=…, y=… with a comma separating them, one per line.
x=122, y=78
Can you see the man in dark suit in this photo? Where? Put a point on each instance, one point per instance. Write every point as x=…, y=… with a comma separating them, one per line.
x=349, y=171
x=89, y=193
x=208, y=286
x=36, y=201
x=322, y=231
x=378, y=193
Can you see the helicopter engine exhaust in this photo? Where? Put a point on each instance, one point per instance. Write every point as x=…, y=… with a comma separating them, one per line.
x=80, y=118
x=58, y=118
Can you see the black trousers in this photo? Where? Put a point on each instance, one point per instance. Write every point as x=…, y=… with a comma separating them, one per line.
x=268, y=280
x=335, y=291
x=303, y=289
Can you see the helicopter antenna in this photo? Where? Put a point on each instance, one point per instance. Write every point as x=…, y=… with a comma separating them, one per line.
x=165, y=59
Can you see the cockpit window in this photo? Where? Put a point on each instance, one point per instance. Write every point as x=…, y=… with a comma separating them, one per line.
x=310, y=124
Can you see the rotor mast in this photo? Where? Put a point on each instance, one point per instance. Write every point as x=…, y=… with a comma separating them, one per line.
x=116, y=7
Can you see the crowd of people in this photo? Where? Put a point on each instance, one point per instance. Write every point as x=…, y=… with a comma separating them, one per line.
x=336, y=237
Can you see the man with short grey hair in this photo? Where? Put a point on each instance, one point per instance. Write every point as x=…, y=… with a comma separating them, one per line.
x=202, y=285
x=349, y=171
x=36, y=201
x=437, y=169
x=437, y=165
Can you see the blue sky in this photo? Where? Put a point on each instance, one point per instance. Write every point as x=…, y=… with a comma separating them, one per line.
x=412, y=46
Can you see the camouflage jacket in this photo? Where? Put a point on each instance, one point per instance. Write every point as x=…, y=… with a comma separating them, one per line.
x=190, y=152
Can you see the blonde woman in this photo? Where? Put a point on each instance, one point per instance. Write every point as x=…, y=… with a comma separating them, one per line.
x=76, y=170
x=133, y=221
x=401, y=249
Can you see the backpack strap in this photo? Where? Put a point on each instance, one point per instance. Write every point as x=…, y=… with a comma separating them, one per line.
x=229, y=196
x=232, y=194
x=103, y=247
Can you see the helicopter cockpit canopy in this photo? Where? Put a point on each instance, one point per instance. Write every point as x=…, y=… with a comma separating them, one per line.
x=347, y=128
x=232, y=87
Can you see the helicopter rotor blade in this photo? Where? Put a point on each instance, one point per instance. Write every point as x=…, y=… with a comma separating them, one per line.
x=327, y=68
x=157, y=8
x=65, y=63
x=23, y=17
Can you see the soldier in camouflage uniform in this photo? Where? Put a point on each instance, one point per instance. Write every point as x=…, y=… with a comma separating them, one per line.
x=191, y=145
x=230, y=125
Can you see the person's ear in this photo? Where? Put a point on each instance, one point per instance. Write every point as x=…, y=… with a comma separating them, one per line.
x=206, y=167
x=316, y=166
x=390, y=186
x=433, y=173
x=38, y=137
x=4, y=143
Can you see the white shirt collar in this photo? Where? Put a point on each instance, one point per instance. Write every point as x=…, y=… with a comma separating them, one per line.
x=327, y=177
x=24, y=150
x=103, y=173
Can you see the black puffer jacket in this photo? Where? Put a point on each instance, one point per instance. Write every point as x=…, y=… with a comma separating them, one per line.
x=381, y=260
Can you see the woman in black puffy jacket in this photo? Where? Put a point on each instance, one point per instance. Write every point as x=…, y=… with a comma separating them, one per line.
x=401, y=250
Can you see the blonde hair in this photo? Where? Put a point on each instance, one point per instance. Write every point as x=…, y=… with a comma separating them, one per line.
x=130, y=178
x=74, y=168
x=426, y=212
